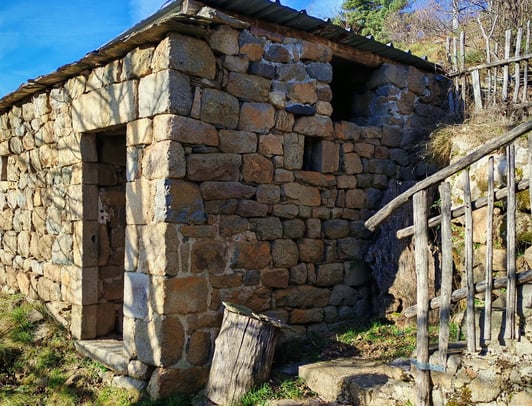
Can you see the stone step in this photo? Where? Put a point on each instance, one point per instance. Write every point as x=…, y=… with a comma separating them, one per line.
x=109, y=352
x=360, y=381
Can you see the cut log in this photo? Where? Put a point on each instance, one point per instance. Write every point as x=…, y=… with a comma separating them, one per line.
x=459, y=294
x=243, y=354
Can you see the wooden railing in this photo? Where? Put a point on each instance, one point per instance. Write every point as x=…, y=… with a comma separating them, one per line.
x=502, y=81
x=421, y=235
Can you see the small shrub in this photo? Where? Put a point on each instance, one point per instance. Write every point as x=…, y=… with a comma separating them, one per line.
x=22, y=328
x=461, y=398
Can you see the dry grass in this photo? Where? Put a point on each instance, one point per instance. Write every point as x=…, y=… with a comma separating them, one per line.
x=477, y=130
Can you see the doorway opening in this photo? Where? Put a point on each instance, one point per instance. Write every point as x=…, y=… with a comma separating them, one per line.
x=109, y=173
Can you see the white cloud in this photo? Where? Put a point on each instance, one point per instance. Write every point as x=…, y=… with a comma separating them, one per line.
x=141, y=9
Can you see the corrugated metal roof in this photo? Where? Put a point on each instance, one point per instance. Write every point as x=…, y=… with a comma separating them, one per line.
x=154, y=27
x=276, y=13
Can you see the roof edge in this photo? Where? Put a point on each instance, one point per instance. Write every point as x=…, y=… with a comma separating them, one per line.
x=263, y=10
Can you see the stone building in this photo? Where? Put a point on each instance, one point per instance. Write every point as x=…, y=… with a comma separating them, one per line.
x=217, y=151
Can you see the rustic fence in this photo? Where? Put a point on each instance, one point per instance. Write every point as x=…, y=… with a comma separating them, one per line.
x=502, y=81
x=421, y=235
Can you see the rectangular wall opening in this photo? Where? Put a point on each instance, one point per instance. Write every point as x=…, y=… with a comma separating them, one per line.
x=349, y=89
x=108, y=177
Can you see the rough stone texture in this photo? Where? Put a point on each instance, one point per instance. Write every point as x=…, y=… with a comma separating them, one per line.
x=238, y=142
x=301, y=194
x=165, y=159
x=319, y=126
x=166, y=91
x=184, y=129
x=139, y=132
x=210, y=256
x=302, y=296
x=302, y=92
x=226, y=190
x=248, y=87
x=275, y=278
x=257, y=169
x=269, y=228
x=285, y=253
x=136, y=294
x=329, y=274
x=179, y=295
x=251, y=255
x=293, y=151
x=257, y=117
x=105, y=107
x=214, y=167
x=186, y=54
x=167, y=381
x=178, y=201
x=199, y=350
x=219, y=108
x=310, y=250
x=224, y=40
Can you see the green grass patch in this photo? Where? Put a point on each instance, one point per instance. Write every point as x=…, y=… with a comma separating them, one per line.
x=47, y=370
x=176, y=400
x=276, y=389
x=382, y=341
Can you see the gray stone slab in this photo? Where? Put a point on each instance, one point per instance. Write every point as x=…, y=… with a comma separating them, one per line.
x=353, y=380
x=108, y=352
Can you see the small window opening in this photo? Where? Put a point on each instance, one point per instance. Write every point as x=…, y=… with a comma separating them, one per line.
x=311, y=154
x=348, y=88
x=3, y=168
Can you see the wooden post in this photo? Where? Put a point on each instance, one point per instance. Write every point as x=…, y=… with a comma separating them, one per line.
x=489, y=254
x=455, y=55
x=470, y=312
x=243, y=354
x=530, y=167
x=511, y=292
x=462, y=51
x=495, y=76
x=477, y=94
x=448, y=50
x=459, y=211
x=525, y=68
x=517, y=74
x=421, y=258
x=447, y=271
x=506, y=73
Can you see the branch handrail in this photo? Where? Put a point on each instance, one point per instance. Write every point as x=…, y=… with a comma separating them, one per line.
x=490, y=65
x=505, y=139
x=459, y=211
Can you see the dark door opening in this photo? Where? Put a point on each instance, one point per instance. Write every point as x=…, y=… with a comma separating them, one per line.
x=111, y=201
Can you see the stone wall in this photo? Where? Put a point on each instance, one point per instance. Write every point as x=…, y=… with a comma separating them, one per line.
x=217, y=204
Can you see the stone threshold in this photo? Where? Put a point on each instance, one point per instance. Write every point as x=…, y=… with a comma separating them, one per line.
x=108, y=352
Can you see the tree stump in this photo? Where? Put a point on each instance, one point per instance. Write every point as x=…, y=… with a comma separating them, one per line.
x=243, y=354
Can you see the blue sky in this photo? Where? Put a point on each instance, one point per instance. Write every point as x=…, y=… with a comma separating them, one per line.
x=37, y=37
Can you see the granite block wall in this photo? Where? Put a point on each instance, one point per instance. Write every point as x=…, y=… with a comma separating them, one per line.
x=229, y=181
